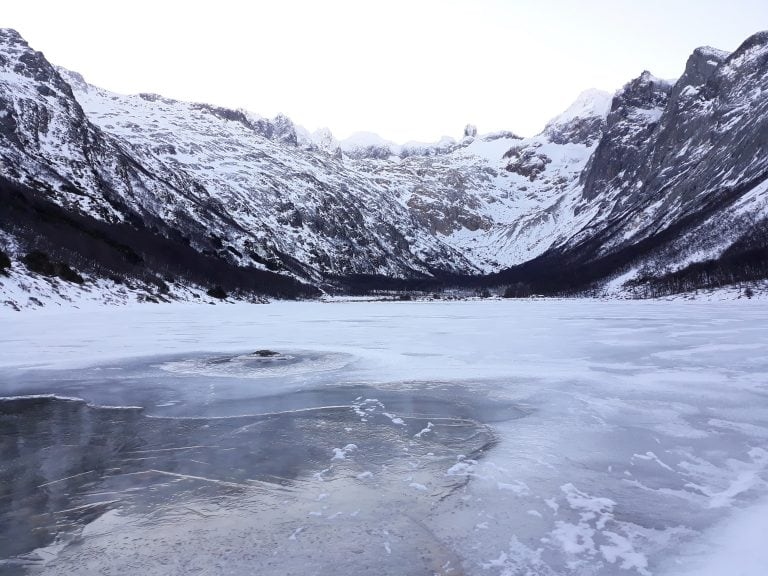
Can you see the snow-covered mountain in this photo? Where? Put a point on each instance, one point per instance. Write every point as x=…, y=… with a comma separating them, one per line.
x=677, y=186
x=635, y=186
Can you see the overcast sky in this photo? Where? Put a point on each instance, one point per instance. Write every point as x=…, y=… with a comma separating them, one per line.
x=408, y=70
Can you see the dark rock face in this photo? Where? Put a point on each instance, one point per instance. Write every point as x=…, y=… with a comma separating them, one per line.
x=526, y=162
x=503, y=134
x=447, y=213
x=284, y=131
x=699, y=69
x=577, y=131
x=630, y=126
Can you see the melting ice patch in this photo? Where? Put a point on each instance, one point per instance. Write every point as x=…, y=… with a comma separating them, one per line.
x=260, y=364
x=199, y=484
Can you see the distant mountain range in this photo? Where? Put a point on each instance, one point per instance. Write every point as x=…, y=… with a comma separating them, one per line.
x=659, y=188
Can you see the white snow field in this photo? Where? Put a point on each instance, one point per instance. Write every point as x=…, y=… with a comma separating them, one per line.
x=546, y=437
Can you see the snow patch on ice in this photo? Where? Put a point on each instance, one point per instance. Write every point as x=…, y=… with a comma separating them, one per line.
x=342, y=453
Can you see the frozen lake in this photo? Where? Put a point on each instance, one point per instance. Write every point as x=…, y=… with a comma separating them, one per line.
x=491, y=437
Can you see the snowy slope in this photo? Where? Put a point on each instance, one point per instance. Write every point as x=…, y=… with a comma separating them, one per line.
x=442, y=198
x=282, y=198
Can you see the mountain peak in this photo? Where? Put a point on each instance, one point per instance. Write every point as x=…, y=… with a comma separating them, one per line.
x=645, y=92
x=710, y=53
x=589, y=104
x=757, y=40
x=752, y=53
x=699, y=68
x=368, y=145
x=74, y=79
x=11, y=36
x=582, y=121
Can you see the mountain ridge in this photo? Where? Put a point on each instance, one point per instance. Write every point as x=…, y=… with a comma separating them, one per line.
x=608, y=175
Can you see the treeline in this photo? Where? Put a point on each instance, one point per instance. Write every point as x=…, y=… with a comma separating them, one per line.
x=746, y=261
x=59, y=242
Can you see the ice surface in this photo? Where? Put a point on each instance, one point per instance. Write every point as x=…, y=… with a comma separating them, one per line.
x=490, y=437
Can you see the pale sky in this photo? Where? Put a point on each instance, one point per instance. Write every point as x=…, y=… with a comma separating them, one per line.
x=408, y=70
